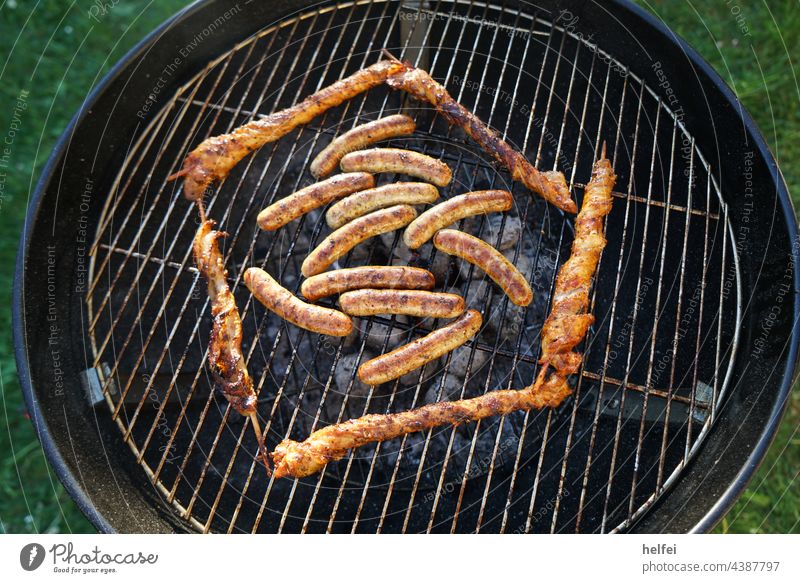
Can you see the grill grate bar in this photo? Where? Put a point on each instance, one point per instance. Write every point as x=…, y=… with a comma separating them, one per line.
x=459, y=98
x=677, y=334
x=390, y=325
x=566, y=115
x=269, y=253
x=193, y=335
x=504, y=307
x=651, y=358
x=590, y=334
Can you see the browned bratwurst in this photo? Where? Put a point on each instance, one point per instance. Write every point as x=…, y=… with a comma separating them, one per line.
x=215, y=157
x=366, y=201
x=370, y=276
x=311, y=197
x=454, y=209
x=342, y=240
x=280, y=300
x=399, y=162
x=421, y=351
x=488, y=259
x=359, y=137
x=420, y=304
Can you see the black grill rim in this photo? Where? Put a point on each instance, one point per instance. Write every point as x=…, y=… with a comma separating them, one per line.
x=106, y=519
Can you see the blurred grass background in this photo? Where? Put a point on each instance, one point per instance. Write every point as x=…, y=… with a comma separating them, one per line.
x=56, y=52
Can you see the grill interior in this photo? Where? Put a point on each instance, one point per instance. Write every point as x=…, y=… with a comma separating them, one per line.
x=656, y=360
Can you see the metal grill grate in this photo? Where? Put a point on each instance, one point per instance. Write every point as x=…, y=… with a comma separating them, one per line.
x=657, y=360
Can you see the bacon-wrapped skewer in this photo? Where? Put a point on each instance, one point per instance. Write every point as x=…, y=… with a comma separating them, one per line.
x=550, y=185
x=563, y=330
x=215, y=157
x=569, y=319
x=225, y=358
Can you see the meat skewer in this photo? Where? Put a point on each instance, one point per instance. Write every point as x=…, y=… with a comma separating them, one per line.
x=215, y=157
x=562, y=331
x=569, y=319
x=225, y=358
x=550, y=185
x=331, y=443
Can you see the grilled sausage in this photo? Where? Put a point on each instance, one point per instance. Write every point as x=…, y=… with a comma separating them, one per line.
x=399, y=162
x=448, y=212
x=373, y=277
x=366, y=201
x=359, y=137
x=342, y=240
x=418, y=353
x=307, y=199
x=215, y=157
x=420, y=304
x=489, y=259
x=280, y=300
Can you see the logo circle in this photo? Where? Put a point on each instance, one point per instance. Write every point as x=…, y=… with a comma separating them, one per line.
x=31, y=556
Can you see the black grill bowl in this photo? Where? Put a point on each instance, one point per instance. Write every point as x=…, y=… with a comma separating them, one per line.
x=85, y=446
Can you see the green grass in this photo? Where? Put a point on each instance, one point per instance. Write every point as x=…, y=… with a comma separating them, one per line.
x=58, y=53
